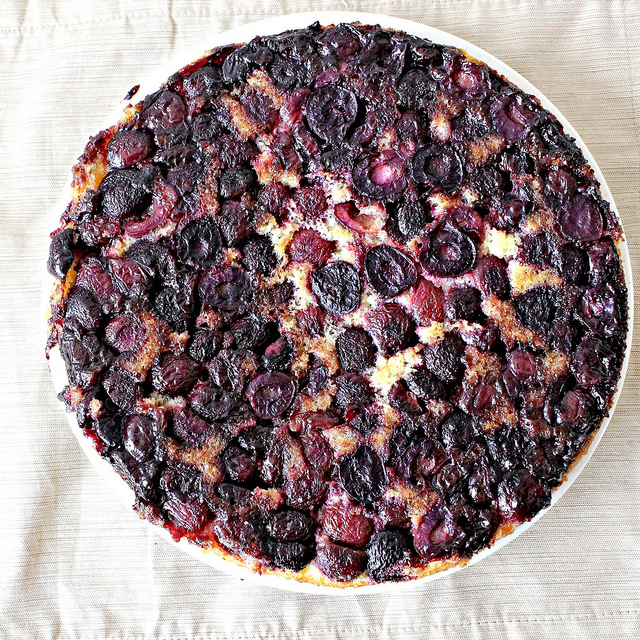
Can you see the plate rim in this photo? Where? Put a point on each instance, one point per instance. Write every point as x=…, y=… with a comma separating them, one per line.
x=272, y=26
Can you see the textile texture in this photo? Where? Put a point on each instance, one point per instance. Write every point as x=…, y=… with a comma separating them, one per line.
x=75, y=561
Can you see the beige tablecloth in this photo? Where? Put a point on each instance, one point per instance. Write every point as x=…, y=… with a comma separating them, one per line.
x=74, y=562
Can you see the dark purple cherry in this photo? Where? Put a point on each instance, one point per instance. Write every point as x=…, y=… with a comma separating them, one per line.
x=61, y=253
x=139, y=435
x=129, y=278
x=576, y=410
x=204, y=345
x=364, y=422
x=141, y=477
x=188, y=513
x=381, y=177
x=211, y=402
x=448, y=253
x=279, y=355
x=259, y=255
x=238, y=465
x=176, y=374
x=537, y=249
x=593, y=362
x=513, y=116
x=536, y=308
x=415, y=89
x=330, y=111
x=404, y=400
x=437, y=535
x=236, y=182
x=581, y=220
x=123, y=388
x=520, y=495
x=190, y=427
x=84, y=308
x=491, y=277
x=208, y=126
x=572, y=263
x=341, y=41
x=290, y=526
x=271, y=394
x=202, y=85
x=236, y=222
x=389, y=271
x=338, y=562
x=438, y=166
x=392, y=327
x=127, y=148
x=168, y=307
x=425, y=385
x=317, y=377
x=200, y=243
x=445, y=358
x=109, y=430
x=356, y=350
x=166, y=112
x=124, y=193
x=84, y=356
x=462, y=303
x=598, y=311
x=337, y=286
x=362, y=475
x=238, y=65
x=230, y=289
x=458, y=431
x=467, y=81
x=353, y=391
x=305, y=488
x=180, y=155
x=386, y=550
x=251, y=332
x=559, y=186
x=407, y=220
x=383, y=53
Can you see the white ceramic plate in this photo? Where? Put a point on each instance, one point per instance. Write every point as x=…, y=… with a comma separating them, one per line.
x=274, y=26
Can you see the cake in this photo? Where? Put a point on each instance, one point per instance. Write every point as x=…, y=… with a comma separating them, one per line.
x=342, y=304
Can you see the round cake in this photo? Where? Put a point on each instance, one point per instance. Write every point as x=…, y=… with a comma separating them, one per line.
x=341, y=304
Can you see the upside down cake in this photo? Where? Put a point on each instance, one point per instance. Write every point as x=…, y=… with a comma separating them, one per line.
x=340, y=304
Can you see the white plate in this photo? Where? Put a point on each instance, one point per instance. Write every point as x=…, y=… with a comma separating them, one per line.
x=274, y=26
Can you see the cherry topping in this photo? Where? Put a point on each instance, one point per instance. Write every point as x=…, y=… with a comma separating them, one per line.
x=389, y=271
x=61, y=253
x=385, y=552
x=380, y=177
x=307, y=245
x=200, y=243
x=362, y=475
x=448, y=253
x=331, y=110
x=338, y=562
x=356, y=350
x=271, y=394
x=392, y=327
x=438, y=166
x=337, y=286
x=230, y=289
x=127, y=148
x=581, y=220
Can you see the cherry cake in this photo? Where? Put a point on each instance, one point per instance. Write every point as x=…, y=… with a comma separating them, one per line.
x=341, y=304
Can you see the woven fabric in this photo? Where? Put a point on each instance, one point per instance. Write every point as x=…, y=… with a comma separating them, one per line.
x=74, y=561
